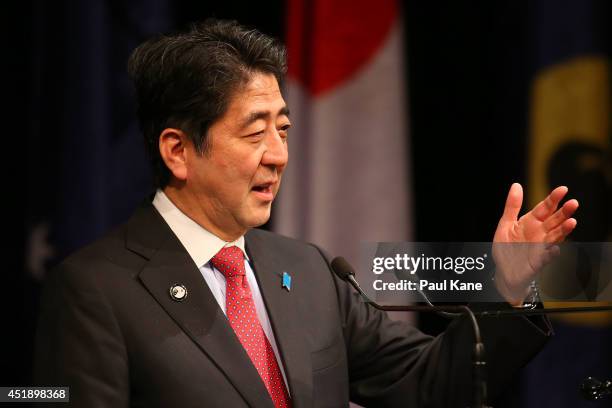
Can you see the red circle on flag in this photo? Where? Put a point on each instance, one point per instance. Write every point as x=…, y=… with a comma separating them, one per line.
x=328, y=41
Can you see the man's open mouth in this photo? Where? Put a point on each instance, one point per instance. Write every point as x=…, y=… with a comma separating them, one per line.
x=263, y=188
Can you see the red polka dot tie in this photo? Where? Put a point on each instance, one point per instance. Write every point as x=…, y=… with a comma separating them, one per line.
x=242, y=315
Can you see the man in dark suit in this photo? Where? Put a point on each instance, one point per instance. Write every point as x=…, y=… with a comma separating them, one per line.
x=188, y=305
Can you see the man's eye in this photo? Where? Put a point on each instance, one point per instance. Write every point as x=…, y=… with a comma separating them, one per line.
x=284, y=129
x=284, y=132
x=260, y=133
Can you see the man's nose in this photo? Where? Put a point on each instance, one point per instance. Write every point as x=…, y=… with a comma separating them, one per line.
x=276, y=151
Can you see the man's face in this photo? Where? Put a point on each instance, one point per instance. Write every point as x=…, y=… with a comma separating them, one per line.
x=235, y=182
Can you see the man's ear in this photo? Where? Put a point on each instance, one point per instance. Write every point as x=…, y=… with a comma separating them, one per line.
x=173, y=145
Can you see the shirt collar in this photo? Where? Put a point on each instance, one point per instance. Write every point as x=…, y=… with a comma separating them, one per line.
x=201, y=244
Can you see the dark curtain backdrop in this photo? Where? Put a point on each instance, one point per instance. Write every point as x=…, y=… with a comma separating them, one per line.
x=74, y=166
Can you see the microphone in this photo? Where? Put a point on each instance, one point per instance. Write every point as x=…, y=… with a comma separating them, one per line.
x=345, y=271
x=342, y=268
x=594, y=389
x=591, y=388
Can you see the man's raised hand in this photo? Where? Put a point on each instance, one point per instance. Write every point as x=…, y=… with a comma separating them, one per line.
x=522, y=246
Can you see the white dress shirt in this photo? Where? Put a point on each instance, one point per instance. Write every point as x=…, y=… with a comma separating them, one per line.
x=202, y=245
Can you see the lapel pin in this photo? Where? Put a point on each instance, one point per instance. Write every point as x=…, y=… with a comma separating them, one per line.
x=178, y=292
x=286, y=281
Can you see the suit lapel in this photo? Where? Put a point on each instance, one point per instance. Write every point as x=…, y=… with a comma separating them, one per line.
x=282, y=310
x=199, y=314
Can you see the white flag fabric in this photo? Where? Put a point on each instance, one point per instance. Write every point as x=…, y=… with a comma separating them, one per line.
x=348, y=174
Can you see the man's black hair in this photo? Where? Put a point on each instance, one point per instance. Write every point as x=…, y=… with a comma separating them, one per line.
x=186, y=80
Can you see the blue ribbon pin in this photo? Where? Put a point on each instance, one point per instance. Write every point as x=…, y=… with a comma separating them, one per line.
x=286, y=281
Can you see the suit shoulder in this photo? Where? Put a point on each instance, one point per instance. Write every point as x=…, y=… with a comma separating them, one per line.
x=110, y=242
x=104, y=254
x=291, y=252
x=282, y=242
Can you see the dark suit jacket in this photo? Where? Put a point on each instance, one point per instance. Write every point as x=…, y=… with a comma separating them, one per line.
x=111, y=332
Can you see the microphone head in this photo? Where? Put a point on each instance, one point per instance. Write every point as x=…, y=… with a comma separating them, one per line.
x=342, y=268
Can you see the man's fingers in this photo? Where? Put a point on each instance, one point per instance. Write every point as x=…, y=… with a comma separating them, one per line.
x=566, y=211
x=543, y=256
x=514, y=201
x=547, y=206
x=559, y=233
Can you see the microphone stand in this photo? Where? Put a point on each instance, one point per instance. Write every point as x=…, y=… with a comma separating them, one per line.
x=592, y=388
x=345, y=272
x=552, y=310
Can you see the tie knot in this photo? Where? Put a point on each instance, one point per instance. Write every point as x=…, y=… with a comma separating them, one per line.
x=229, y=261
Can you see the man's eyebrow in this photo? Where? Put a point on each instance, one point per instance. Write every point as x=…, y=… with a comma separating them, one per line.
x=256, y=115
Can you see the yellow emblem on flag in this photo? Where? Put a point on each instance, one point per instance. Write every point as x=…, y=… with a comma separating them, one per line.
x=570, y=144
